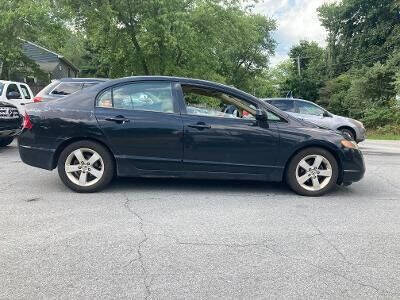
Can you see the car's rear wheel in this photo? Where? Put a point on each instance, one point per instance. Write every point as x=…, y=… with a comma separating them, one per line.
x=86, y=166
x=312, y=172
x=6, y=141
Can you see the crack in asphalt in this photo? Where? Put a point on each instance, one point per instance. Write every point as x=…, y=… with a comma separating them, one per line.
x=325, y=238
x=327, y=270
x=147, y=236
x=146, y=282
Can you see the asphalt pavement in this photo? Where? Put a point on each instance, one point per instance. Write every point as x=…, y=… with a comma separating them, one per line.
x=158, y=238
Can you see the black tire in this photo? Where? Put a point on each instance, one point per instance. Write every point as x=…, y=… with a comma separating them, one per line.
x=6, y=141
x=292, y=169
x=108, y=165
x=349, y=133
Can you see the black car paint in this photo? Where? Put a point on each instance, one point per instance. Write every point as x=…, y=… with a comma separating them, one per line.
x=9, y=127
x=166, y=144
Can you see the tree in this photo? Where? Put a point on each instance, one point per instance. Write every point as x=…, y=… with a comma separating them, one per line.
x=360, y=32
x=308, y=58
x=209, y=39
x=25, y=19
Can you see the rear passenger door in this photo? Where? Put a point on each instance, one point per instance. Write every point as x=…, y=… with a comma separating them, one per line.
x=142, y=123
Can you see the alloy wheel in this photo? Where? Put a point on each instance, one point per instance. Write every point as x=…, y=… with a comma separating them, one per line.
x=84, y=167
x=313, y=172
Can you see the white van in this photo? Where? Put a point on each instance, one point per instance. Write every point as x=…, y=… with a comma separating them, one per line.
x=16, y=93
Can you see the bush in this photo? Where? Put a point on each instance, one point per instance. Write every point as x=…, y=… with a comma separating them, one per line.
x=381, y=117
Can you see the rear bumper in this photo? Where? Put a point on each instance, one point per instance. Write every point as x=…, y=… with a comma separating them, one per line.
x=353, y=166
x=37, y=157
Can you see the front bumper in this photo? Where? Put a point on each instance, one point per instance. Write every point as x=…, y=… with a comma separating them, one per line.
x=360, y=134
x=353, y=166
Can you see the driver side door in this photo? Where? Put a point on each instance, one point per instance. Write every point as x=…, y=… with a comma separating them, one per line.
x=218, y=142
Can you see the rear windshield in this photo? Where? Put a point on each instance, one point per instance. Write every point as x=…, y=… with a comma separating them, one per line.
x=1, y=88
x=67, y=88
x=48, y=88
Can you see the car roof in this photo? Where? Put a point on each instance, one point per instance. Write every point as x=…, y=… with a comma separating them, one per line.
x=183, y=80
x=284, y=99
x=82, y=79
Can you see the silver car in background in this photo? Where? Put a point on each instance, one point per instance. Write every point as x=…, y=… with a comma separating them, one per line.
x=314, y=113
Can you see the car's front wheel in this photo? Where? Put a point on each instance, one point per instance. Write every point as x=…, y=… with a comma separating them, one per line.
x=312, y=172
x=6, y=141
x=86, y=166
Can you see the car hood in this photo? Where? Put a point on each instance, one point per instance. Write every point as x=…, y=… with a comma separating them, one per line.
x=309, y=126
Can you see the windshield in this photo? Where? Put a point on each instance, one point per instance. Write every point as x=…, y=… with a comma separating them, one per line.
x=1, y=88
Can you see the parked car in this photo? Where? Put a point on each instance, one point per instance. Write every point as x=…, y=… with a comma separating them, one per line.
x=177, y=127
x=16, y=93
x=10, y=123
x=314, y=113
x=63, y=87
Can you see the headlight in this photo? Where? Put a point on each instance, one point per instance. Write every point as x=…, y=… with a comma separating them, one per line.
x=349, y=144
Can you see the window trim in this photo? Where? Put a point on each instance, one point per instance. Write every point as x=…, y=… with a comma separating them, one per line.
x=173, y=93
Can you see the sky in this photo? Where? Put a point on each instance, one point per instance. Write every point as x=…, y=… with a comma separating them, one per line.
x=297, y=20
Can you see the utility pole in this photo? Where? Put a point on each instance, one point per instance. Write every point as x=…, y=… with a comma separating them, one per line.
x=298, y=66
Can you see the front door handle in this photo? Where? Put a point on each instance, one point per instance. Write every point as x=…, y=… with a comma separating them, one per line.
x=118, y=119
x=200, y=126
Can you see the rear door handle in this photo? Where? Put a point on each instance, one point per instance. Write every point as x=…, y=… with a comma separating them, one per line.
x=118, y=119
x=200, y=126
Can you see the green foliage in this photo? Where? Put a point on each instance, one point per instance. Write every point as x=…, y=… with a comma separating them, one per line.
x=307, y=84
x=361, y=32
x=32, y=20
x=215, y=40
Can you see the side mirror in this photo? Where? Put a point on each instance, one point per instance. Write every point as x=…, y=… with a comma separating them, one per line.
x=326, y=114
x=261, y=115
x=13, y=95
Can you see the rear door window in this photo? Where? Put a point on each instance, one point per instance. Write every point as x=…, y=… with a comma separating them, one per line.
x=145, y=96
x=307, y=108
x=285, y=105
x=66, y=88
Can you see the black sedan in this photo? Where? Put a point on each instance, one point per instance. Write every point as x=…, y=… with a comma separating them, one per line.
x=10, y=123
x=179, y=127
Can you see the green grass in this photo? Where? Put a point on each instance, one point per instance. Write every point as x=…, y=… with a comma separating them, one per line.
x=386, y=137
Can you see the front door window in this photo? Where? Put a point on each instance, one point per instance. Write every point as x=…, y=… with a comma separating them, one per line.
x=211, y=103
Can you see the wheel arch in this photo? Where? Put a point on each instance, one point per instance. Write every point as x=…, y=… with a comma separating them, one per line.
x=348, y=128
x=326, y=147
x=68, y=142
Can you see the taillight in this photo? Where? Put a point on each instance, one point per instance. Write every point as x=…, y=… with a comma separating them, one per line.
x=37, y=99
x=27, y=124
